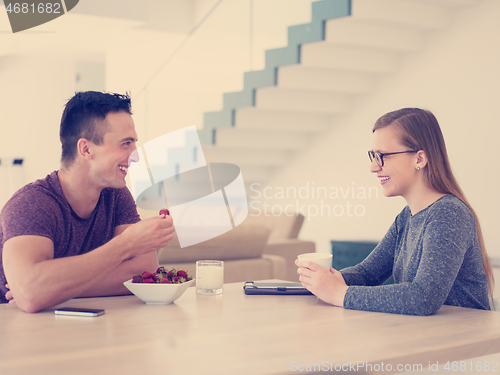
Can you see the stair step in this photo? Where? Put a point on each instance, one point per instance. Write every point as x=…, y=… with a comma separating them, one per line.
x=274, y=120
x=353, y=59
x=285, y=107
x=301, y=100
x=322, y=79
x=260, y=139
x=252, y=157
x=431, y=15
x=352, y=32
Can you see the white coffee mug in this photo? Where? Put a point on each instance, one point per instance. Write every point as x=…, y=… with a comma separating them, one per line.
x=323, y=259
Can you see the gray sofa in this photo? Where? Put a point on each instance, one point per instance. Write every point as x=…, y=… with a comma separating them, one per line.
x=260, y=248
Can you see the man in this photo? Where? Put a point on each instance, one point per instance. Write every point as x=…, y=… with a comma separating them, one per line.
x=77, y=232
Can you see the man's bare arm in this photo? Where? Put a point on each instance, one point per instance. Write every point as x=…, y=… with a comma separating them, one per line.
x=38, y=281
x=111, y=283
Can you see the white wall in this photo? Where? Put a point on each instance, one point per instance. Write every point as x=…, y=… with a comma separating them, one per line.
x=184, y=83
x=458, y=78
x=33, y=92
x=38, y=67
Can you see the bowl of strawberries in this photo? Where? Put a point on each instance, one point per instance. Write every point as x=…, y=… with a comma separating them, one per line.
x=161, y=287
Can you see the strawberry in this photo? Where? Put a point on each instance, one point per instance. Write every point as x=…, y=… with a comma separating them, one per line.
x=164, y=211
x=137, y=279
x=162, y=276
x=175, y=279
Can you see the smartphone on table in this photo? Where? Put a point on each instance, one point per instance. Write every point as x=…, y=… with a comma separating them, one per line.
x=78, y=311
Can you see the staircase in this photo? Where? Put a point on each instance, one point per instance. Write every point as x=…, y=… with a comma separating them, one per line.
x=328, y=68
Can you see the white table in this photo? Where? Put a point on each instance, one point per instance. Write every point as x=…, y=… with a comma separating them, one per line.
x=235, y=334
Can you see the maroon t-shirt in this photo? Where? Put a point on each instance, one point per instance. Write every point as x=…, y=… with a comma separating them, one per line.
x=41, y=209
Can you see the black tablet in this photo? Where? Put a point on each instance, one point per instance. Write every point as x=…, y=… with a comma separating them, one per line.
x=252, y=287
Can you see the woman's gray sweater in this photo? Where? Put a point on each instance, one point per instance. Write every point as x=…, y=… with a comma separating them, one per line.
x=435, y=259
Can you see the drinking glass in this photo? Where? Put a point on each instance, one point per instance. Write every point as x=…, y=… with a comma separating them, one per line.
x=209, y=276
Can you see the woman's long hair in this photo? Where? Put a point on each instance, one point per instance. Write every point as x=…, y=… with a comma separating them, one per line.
x=419, y=130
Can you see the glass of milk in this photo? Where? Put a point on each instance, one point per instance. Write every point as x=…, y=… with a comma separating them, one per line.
x=209, y=276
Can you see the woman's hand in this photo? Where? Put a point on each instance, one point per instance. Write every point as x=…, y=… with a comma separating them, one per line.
x=329, y=286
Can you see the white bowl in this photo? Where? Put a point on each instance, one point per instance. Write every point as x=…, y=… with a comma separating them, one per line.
x=157, y=294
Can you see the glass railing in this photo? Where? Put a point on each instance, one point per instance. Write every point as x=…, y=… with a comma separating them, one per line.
x=230, y=39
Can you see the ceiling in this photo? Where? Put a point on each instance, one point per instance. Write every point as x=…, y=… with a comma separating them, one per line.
x=94, y=26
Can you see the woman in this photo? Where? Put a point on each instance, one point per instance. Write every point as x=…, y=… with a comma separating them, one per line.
x=434, y=249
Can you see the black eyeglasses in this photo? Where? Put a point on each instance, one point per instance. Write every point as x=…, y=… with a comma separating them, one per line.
x=379, y=157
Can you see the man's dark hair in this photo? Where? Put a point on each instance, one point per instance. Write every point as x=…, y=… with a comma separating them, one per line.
x=83, y=118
